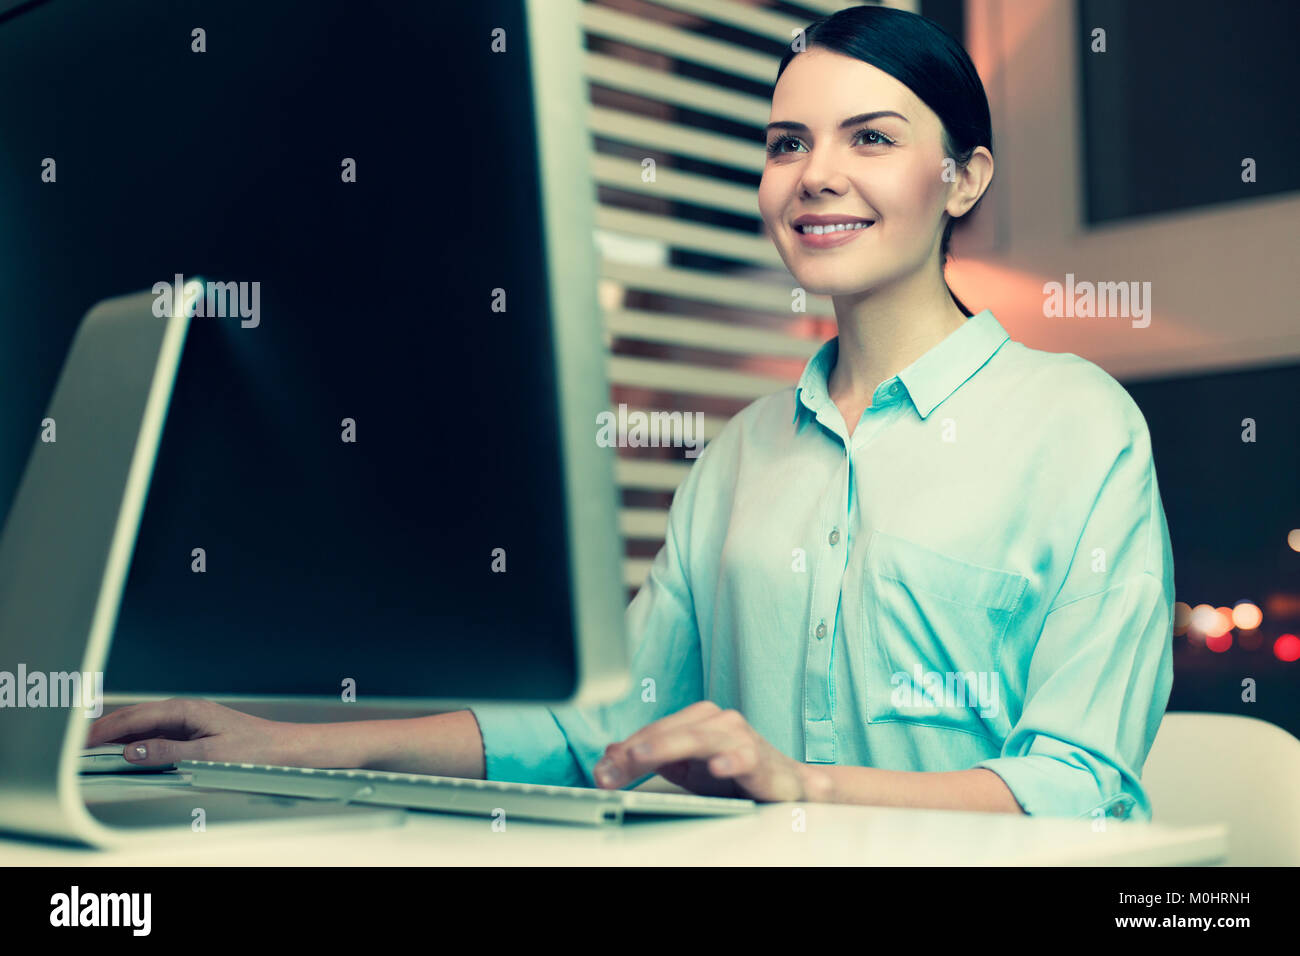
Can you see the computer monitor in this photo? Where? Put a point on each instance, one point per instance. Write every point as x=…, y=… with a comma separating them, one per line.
x=378, y=478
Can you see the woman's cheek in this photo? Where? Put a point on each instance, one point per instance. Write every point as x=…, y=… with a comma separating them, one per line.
x=769, y=204
x=917, y=198
x=933, y=193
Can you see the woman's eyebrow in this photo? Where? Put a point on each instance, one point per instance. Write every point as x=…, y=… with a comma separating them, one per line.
x=851, y=121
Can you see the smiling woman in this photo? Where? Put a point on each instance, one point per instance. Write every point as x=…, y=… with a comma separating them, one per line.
x=885, y=585
x=910, y=166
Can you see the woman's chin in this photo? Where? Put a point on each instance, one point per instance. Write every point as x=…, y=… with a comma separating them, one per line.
x=820, y=284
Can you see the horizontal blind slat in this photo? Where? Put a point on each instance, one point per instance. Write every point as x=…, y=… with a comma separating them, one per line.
x=683, y=378
x=635, y=571
x=764, y=23
x=670, y=183
x=643, y=524
x=650, y=475
x=680, y=44
x=703, y=334
x=749, y=155
x=678, y=91
x=744, y=292
x=710, y=240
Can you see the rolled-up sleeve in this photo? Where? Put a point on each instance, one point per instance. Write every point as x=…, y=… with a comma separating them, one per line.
x=560, y=745
x=525, y=745
x=1102, y=667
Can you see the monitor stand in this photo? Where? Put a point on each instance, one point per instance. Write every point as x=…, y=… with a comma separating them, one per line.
x=64, y=555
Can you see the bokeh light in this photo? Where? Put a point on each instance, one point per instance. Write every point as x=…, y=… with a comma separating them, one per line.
x=1223, y=624
x=1202, y=620
x=1287, y=648
x=1211, y=621
x=1246, y=615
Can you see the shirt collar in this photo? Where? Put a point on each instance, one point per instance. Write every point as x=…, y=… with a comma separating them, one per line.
x=929, y=380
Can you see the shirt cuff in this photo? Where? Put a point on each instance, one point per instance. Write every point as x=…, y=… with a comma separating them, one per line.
x=524, y=744
x=1046, y=787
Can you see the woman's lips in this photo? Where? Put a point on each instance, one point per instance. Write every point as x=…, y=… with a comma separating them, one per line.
x=828, y=240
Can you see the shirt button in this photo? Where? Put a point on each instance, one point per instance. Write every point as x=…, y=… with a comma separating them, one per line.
x=821, y=630
x=834, y=536
x=1121, y=810
x=893, y=390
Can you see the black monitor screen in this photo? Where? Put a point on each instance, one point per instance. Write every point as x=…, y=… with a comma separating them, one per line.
x=345, y=455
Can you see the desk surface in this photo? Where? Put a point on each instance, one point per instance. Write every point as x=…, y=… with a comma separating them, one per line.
x=780, y=834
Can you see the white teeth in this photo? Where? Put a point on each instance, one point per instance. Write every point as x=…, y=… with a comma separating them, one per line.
x=837, y=227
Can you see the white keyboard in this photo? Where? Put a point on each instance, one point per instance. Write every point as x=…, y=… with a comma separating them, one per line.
x=487, y=798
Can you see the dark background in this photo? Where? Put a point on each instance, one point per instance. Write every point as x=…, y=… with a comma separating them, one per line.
x=1178, y=100
x=375, y=305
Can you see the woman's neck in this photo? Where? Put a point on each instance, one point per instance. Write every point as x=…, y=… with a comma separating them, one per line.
x=883, y=331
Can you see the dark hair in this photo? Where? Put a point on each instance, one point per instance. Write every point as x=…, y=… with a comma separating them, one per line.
x=926, y=59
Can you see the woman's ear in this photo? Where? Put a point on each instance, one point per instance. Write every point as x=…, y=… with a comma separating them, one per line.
x=972, y=180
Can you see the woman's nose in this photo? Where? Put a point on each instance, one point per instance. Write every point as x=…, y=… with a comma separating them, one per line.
x=821, y=173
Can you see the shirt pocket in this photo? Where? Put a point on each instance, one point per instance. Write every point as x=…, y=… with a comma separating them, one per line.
x=935, y=628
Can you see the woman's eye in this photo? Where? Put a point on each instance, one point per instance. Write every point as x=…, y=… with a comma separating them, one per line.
x=776, y=146
x=880, y=138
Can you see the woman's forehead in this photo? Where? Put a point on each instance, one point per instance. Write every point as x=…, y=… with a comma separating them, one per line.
x=826, y=86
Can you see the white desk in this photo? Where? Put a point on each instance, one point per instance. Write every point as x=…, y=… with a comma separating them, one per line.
x=833, y=835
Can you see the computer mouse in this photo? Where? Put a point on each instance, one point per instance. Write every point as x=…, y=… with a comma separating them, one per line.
x=109, y=759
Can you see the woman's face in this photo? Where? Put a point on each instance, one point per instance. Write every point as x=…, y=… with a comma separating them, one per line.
x=887, y=169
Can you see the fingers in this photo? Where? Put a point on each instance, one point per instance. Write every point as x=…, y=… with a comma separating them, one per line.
x=609, y=771
x=737, y=762
x=702, y=710
x=687, y=715
x=709, y=733
x=155, y=752
x=174, y=718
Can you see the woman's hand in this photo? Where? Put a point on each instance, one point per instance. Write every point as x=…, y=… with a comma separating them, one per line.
x=184, y=728
x=713, y=752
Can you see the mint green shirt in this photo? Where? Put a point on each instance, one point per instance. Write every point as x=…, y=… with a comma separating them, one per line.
x=981, y=576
